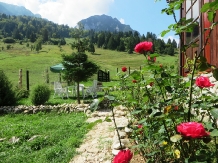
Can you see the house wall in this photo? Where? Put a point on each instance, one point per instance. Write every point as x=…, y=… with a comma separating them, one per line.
x=211, y=49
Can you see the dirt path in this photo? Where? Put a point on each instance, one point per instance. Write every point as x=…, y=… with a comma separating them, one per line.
x=97, y=144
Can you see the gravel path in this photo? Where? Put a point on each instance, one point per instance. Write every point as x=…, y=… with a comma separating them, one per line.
x=97, y=145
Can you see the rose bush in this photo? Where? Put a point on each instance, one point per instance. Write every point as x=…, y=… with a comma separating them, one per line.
x=168, y=106
x=192, y=129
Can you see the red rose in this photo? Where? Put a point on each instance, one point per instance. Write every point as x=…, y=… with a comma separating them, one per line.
x=151, y=84
x=134, y=81
x=124, y=156
x=154, y=59
x=124, y=69
x=149, y=58
x=143, y=47
x=176, y=108
x=140, y=126
x=192, y=129
x=203, y=82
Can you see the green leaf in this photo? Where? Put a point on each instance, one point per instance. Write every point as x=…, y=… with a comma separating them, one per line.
x=111, y=98
x=215, y=73
x=203, y=66
x=154, y=55
x=203, y=59
x=136, y=112
x=169, y=89
x=214, y=113
x=163, y=75
x=209, y=126
x=107, y=119
x=157, y=114
x=175, y=138
x=163, y=33
x=210, y=16
x=205, y=7
x=136, y=75
x=214, y=133
x=92, y=124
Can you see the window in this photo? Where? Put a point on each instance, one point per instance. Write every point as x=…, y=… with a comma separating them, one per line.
x=192, y=11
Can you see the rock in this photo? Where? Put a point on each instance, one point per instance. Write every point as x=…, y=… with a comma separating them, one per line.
x=128, y=130
x=33, y=137
x=122, y=134
x=115, y=151
x=14, y=140
x=94, y=114
x=2, y=139
x=118, y=146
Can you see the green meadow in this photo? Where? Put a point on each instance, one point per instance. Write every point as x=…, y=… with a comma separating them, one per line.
x=21, y=57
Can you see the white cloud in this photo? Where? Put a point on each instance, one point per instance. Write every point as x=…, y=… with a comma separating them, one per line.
x=122, y=21
x=169, y=37
x=64, y=11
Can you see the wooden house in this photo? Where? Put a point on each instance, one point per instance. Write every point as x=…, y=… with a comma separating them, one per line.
x=191, y=9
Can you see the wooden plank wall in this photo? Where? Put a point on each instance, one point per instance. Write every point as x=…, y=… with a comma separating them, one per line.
x=214, y=44
x=211, y=49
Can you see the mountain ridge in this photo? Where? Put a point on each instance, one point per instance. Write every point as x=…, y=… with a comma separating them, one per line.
x=10, y=9
x=104, y=23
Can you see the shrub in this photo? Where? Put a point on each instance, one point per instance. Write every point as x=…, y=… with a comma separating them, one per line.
x=8, y=47
x=7, y=94
x=9, y=40
x=21, y=93
x=40, y=94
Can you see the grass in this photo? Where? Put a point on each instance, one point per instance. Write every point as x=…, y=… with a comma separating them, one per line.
x=21, y=57
x=58, y=137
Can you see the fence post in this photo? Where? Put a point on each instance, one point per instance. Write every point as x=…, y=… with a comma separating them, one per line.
x=46, y=76
x=108, y=73
x=60, y=77
x=20, y=79
x=27, y=81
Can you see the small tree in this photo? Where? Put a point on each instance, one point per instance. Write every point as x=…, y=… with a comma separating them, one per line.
x=91, y=48
x=77, y=66
x=78, y=69
x=7, y=94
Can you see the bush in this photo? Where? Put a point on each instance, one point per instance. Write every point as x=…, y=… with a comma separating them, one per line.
x=40, y=94
x=9, y=40
x=7, y=94
x=21, y=93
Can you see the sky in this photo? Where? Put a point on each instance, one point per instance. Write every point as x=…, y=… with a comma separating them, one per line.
x=142, y=15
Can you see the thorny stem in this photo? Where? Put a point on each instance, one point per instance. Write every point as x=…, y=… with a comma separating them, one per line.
x=160, y=89
x=192, y=75
x=165, y=127
x=112, y=109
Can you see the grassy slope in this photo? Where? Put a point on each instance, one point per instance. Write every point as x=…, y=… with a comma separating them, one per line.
x=21, y=57
x=60, y=135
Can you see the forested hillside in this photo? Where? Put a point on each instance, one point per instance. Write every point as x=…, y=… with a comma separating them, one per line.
x=41, y=31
